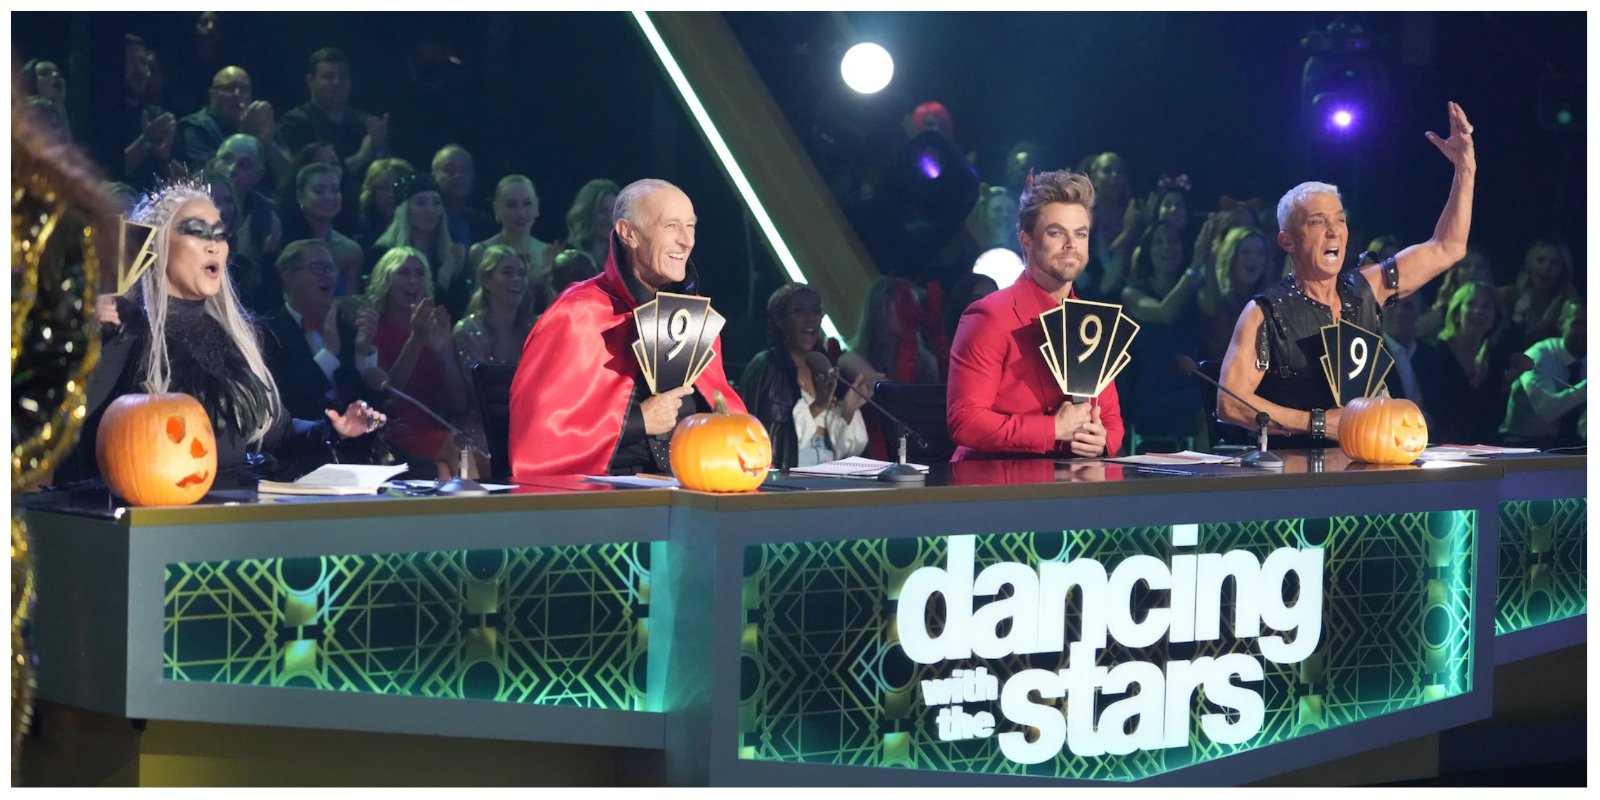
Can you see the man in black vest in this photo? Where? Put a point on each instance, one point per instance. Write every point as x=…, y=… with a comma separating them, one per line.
x=1273, y=358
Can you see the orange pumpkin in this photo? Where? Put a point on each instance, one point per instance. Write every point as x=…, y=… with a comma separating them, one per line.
x=721, y=452
x=156, y=449
x=1381, y=430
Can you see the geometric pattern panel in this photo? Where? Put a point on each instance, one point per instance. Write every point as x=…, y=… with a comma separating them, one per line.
x=564, y=625
x=1544, y=556
x=826, y=677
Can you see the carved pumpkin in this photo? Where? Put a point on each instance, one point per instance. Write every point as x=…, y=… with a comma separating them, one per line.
x=721, y=452
x=1380, y=430
x=156, y=449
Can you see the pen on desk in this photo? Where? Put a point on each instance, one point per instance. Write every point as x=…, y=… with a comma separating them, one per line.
x=1161, y=471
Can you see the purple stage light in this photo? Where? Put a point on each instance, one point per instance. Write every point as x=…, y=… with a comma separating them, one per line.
x=1342, y=118
x=928, y=162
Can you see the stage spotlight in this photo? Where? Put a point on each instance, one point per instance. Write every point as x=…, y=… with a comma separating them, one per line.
x=1003, y=265
x=867, y=68
x=1342, y=118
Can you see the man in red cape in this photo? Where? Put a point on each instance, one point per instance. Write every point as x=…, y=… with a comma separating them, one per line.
x=579, y=403
x=1002, y=400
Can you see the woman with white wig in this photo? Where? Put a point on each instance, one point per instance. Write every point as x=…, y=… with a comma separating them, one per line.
x=182, y=329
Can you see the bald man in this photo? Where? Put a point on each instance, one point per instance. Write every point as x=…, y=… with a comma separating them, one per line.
x=579, y=404
x=232, y=108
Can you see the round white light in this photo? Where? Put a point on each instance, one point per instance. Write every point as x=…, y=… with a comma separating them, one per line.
x=867, y=68
x=1001, y=264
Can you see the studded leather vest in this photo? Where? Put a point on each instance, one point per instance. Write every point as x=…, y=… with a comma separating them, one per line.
x=1289, y=342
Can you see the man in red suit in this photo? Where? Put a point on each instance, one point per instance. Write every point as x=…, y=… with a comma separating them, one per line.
x=579, y=403
x=1002, y=399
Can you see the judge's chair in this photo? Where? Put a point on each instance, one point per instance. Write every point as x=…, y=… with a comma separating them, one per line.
x=492, y=384
x=922, y=406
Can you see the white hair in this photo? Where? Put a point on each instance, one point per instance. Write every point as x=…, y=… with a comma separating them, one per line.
x=628, y=199
x=158, y=210
x=1297, y=196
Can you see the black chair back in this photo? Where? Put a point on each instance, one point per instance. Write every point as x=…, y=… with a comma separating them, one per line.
x=921, y=406
x=492, y=384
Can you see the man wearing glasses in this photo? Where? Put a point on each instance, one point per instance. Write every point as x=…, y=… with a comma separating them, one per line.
x=315, y=353
x=232, y=109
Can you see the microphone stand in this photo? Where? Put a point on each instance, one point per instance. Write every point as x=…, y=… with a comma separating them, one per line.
x=900, y=471
x=459, y=486
x=1262, y=458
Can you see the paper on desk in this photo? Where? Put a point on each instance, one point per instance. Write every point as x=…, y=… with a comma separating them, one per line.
x=1173, y=459
x=337, y=479
x=636, y=481
x=1458, y=452
x=853, y=467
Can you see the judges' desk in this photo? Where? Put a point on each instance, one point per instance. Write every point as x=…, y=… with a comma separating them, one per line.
x=1010, y=622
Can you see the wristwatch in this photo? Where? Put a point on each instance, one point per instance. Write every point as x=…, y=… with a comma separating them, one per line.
x=1319, y=423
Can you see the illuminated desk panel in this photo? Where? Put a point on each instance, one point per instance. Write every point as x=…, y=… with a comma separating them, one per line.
x=688, y=623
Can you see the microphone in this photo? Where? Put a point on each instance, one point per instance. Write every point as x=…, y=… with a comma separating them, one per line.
x=1262, y=458
x=378, y=379
x=900, y=472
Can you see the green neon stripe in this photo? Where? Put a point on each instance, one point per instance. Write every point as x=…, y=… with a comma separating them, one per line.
x=720, y=147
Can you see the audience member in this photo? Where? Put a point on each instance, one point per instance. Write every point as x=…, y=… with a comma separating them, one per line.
x=1102, y=279
x=314, y=352
x=1543, y=286
x=516, y=207
x=133, y=139
x=499, y=316
x=43, y=79
x=889, y=336
x=453, y=171
x=588, y=230
x=1416, y=372
x=1160, y=296
x=48, y=116
x=314, y=153
x=414, y=348
x=419, y=223
x=260, y=229
x=808, y=421
x=378, y=197
x=1241, y=270
x=232, y=110
x=316, y=206
x=358, y=137
x=256, y=288
x=999, y=216
x=1474, y=354
x=1474, y=268
x=1549, y=404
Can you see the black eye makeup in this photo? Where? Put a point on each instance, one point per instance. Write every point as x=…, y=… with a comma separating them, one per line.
x=196, y=227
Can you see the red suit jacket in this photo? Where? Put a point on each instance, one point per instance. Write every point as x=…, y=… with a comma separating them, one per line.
x=1001, y=397
x=571, y=390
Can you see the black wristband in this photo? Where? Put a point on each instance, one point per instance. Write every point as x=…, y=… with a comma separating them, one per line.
x=1319, y=423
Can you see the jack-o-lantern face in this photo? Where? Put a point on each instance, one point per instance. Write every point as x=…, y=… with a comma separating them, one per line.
x=721, y=452
x=1381, y=430
x=157, y=449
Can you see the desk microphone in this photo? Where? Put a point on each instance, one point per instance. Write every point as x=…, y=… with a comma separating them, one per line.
x=1261, y=458
x=377, y=378
x=899, y=472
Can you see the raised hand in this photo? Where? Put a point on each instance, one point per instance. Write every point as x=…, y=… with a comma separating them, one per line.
x=366, y=327
x=378, y=130
x=661, y=410
x=258, y=120
x=1457, y=148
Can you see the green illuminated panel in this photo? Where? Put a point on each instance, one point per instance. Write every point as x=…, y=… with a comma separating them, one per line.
x=826, y=679
x=539, y=625
x=1544, y=547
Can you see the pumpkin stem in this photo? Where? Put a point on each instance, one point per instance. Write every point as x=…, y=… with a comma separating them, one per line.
x=718, y=404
